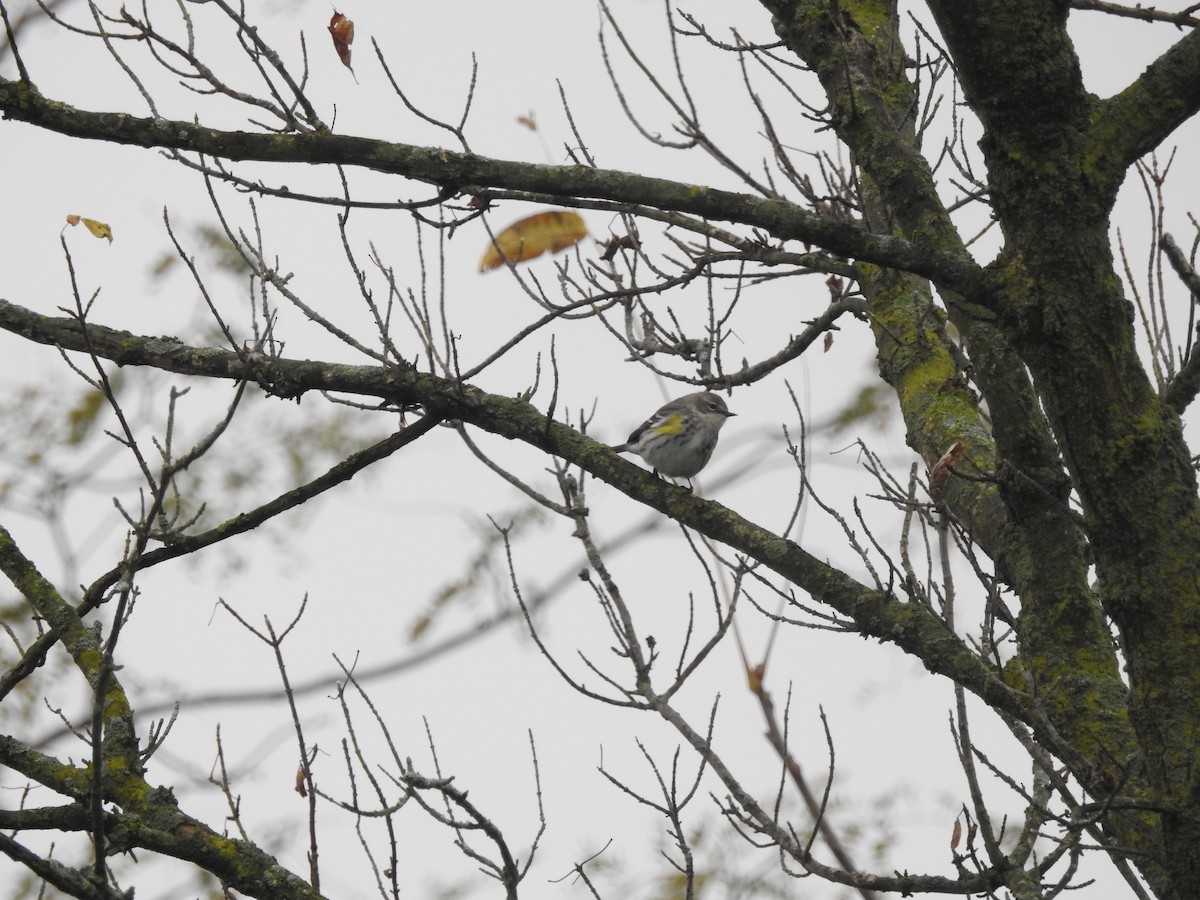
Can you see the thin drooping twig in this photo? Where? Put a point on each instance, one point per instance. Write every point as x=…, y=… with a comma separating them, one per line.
x=816, y=808
x=343, y=471
x=307, y=754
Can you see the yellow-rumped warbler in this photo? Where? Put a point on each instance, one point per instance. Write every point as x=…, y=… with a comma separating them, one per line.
x=678, y=440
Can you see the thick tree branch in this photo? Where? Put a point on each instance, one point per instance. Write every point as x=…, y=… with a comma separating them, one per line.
x=151, y=819
x=84, y=644
x=1163, y=97
x=911, y=626
x=70, y=881
x=458, y=173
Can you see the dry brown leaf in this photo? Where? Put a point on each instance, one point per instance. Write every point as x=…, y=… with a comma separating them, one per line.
x=615, y=243
x=341, y=30
x=544, y=232
x=940, y=473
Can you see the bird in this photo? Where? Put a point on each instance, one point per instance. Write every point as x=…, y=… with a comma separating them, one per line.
x=678, y=440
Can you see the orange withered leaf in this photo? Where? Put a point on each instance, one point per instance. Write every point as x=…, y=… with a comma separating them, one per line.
x=341, y=30
x=544, y=232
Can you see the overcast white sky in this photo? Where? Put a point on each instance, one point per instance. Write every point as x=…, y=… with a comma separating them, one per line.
x=372, y=557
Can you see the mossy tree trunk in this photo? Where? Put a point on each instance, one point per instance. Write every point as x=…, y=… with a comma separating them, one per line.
x=1056, y=156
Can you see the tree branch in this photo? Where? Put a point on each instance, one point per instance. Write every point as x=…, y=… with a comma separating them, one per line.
x=1139, y=12
x=151, y=819
x=70, y=881
x=1163, y=97
x=876, y=613
x=35, y=654
x=1186, y=384
x=467, y=173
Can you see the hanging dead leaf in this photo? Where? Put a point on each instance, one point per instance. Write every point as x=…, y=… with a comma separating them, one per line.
x=754, y=678
x=615, y=243
x=940, y=473
x=828, y=341
x=341, y=30
x=300, y=788
x=956, y=835
x=99, y=229
x=545, y=232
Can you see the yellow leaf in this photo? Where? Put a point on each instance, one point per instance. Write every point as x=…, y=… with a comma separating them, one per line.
x=545, y=232
x=99, y=229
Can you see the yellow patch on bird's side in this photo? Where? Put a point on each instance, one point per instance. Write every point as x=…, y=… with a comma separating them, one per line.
x=672, y=425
